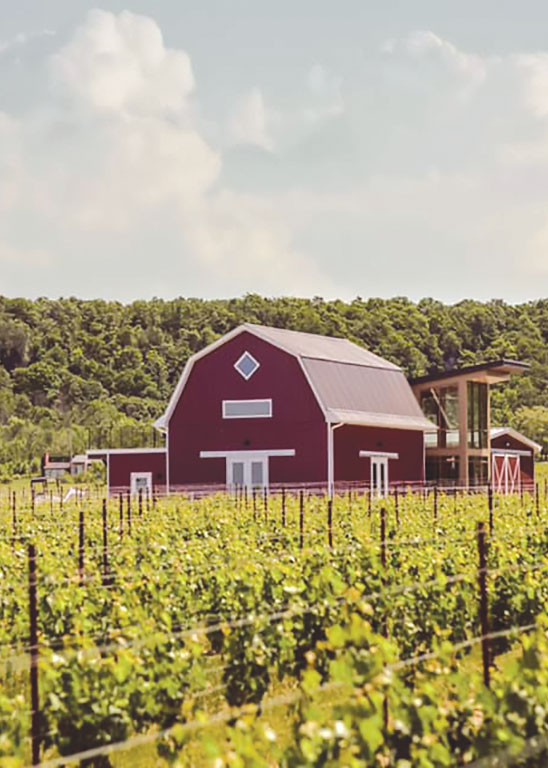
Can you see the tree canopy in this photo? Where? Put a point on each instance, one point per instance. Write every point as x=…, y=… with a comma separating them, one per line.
x=77, y=373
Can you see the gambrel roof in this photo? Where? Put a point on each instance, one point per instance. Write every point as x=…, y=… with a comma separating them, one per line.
x=351, y=384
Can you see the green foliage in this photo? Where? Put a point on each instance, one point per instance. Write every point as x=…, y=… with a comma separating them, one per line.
x=208, y=607
x=110, y=368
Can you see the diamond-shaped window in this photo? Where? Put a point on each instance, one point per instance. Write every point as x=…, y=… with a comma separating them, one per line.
x=246, y=365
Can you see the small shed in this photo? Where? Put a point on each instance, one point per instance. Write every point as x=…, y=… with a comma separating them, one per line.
x=133, y=469
x=512, y=460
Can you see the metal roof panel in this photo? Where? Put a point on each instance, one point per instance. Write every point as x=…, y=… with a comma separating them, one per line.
x=375, y=393
x=312, y=345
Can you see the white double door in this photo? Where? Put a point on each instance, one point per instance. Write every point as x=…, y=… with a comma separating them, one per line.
x=247, y=472
x=379, y=476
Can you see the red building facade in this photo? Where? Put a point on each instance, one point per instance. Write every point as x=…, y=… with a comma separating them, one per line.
x=264, y=406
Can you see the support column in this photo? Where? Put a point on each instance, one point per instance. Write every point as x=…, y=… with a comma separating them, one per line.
x=463, y=432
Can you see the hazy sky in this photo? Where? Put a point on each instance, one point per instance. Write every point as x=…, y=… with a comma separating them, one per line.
x=305, y=147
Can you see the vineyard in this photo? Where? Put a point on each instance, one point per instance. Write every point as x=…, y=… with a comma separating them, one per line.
x=281, y=630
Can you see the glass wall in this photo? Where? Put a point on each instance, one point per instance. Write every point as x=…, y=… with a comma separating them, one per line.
x=477, y=414
x=441, y=406
x=478, y=470
x=443, y=470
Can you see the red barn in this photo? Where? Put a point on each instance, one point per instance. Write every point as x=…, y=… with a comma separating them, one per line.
x=262, y=406
x=512, y=460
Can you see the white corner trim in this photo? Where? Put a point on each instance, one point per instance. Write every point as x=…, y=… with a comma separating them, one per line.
x=331, y=457
x=378, y=454
x=248, y=416
x=167, y=462
x=247, y=454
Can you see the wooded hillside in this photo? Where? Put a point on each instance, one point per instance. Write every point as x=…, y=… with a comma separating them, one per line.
x=76, y=372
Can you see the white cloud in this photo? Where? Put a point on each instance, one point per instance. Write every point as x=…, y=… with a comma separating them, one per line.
x=115, y=174
x=422, y=169
x=22, y=39
x=248, y=123
x=534, y=69
x=120, y=63
x=423, y=45
x=326, y=91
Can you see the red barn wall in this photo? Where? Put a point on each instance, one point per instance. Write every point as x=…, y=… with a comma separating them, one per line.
x=121, y=465
x=197, y=424
x=527, y=463
x=350, y=440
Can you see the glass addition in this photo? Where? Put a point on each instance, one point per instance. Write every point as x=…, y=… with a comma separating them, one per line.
x=477, y=414
x=441, y=406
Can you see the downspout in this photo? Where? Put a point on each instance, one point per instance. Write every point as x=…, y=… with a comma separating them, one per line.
x=167, y=461
x=331, y=457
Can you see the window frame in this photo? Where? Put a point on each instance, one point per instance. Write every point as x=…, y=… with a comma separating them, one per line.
x=239, y=360
x=248, y=416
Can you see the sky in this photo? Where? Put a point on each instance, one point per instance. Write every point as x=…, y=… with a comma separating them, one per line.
x=296, y=147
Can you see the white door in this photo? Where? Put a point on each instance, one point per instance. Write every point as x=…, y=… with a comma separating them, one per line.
x=141, y=481
x=247, y=472
x=379, y=476
x=505, y=473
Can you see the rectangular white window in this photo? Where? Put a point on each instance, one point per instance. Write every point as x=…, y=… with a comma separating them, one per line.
x=247, y=409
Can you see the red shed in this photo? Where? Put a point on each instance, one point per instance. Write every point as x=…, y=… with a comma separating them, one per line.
x=134, y=469
x=264, y=405
x=512, y=460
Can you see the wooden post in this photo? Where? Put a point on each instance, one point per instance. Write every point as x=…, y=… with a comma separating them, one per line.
x=383, y=536
x=397, y=506
x=265, y=503
x=330, y=523
x=121, y=506
x=301, y=519
x=369, y=503
x=283, y=507
x=140, y=502
x=81, y=544
x=106, y=575
x=14, y=517
x=32, y=500
x=490, y=505
x=435, y=505
x=484, y=608
x=128, y=503
x=254, y=504
x=537, y=499
x=33, y=650
x=385, y=617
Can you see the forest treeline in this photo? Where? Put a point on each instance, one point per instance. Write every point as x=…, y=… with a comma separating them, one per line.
x=75, y=374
